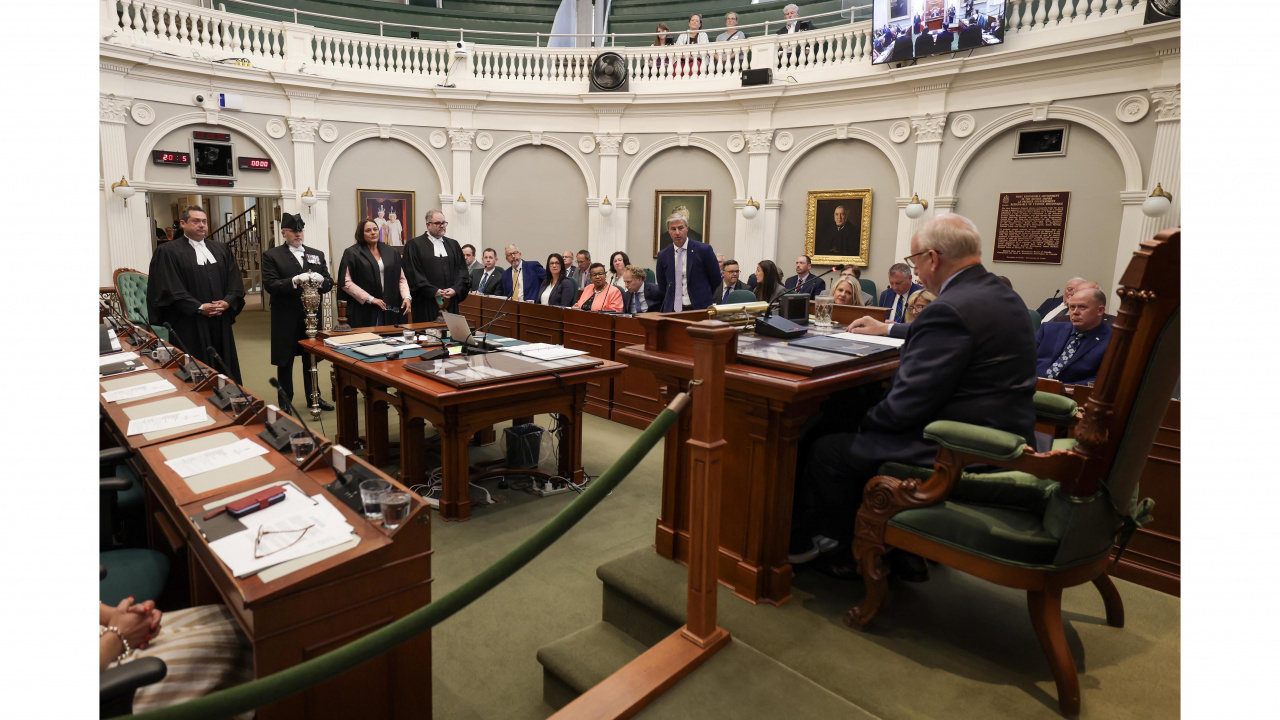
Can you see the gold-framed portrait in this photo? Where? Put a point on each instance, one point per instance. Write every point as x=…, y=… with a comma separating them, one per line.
x=838, y=228
x=693, y=204
x=391, y=210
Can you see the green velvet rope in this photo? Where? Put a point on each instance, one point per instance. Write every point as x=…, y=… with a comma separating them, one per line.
x=288, y=682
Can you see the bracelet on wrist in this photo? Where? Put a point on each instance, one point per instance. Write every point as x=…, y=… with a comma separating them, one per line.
x=127, y=650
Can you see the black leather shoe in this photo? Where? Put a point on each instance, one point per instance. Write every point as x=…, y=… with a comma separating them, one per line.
x=839, y=566
x=907, y=567
x=325, y=405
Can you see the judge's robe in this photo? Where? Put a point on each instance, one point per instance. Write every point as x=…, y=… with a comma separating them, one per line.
x=426, y=273
x=176, y=289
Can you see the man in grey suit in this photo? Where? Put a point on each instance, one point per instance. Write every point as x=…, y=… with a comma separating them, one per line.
x=488, y=279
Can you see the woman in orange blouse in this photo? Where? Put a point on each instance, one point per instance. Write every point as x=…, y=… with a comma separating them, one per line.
x=599, y=296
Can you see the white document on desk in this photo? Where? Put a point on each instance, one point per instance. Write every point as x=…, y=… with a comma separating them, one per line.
x=214, y=458
x=555, y=352
x=383, y=349
x=325, y=527
x=873, y=339
x=137, y=391
x=167, y=421
x=116, y=357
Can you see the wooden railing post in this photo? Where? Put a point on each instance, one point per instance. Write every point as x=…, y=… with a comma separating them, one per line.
x=706, y=447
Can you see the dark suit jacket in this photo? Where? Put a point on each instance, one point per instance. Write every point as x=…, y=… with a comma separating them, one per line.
x=924, y=44
x=970, y=357
x=1048, y=305
x=888, y=296
x=702, y=274
x=652, y=299
x=288, y=317
x=902, y=49
x=718, y=296
x=814, y=288
x=564, y=294
x=1083, y=367
x=533, y=275
x=943, y=41
x=970, y=37
x=493, y=287
x=846, y=240
x=801, y=26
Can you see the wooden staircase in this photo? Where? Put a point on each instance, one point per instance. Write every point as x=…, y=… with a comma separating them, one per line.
x=243, y=236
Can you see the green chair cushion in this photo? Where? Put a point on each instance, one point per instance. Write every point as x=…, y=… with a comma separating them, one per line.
x=1054, y=409
x=1035, y=319
x=1007, y=488
x=1064, y=443
x=869, y=287
x=975, y=439
x=136, y=572
x=740, y=296
x=649, y=276
x=132, y=288
x=1004, y=535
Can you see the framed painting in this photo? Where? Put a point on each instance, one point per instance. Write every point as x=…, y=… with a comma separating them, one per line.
x=838, y=229
x=693, y=204
x=391, y=210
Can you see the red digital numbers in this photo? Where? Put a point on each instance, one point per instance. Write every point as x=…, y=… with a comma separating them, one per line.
x=166, y=157
x=251, y=163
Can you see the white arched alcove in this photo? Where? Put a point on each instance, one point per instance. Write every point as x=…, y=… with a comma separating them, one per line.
x=326, y=168
x=813, y=141
x=162, y=129
x=528, y=139
x=739, y=186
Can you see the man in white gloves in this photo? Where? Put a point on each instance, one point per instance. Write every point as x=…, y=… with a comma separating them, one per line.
x=284, y=269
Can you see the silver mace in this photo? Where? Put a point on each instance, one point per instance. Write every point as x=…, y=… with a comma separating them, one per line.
x=311, y=303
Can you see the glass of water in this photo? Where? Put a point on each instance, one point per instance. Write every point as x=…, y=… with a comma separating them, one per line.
x=239, y=403
x=822, y=306
x=302, y=445
x=369, y=492
x=395, y=508
x=410, y=336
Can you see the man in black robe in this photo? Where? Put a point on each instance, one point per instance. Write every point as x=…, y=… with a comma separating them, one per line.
x=843, y=238
x=435, y=269
x=284, y=268
x=195, y=286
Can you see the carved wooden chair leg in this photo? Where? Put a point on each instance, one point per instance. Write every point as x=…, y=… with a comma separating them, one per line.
x=875, y=577
x=1110, y=598
x=1046, y=616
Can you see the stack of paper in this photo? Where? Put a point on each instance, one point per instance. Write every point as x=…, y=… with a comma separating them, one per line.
x=545, y=351
x=167, y=421
x=354, y=339
x=284, y=537
x=383, y=349
x=873, y=339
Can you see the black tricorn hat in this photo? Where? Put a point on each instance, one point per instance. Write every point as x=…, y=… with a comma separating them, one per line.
x=292, y=222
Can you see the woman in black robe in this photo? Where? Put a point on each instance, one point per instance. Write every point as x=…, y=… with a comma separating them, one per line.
x=371, y=279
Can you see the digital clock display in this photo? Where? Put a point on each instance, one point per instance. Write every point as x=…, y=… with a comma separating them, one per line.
x=253, y=163
x=215, y=182
x=205, y=135
x=170, y=157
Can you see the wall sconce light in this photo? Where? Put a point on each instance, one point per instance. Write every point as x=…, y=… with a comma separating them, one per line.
x=750, y=210
x=916, y=207
x=460, y=204
x=606, y=207
x=309, y=199
x=123, y=190
x=1158, y=203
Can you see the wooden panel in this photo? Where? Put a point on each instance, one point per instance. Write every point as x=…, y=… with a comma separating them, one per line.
x=636, y=397
x=491, y=314
x=470, y=309
x=1154, y=555
x=541, y=324
x=592, y=332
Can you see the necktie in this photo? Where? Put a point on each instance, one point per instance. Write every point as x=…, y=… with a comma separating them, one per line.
x=901, y=308
x=1067, y=353
x=679, y=279
x=519, y=285
x=484, y=281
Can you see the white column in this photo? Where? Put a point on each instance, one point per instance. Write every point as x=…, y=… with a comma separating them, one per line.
x=460, y=227
x=1131, y=221
x=757, y=239
x=606, y=238
x=1166, y=160
x=127, y=232
x=621, y=211
x=304, y=171
x=929, y=130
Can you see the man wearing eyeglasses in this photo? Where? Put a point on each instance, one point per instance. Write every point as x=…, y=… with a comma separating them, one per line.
x=731, y=282
x=435, y=269
x=522, y=280
x=970, y=357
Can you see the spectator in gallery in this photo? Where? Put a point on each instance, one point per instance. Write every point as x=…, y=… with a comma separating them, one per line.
x=846, y=291
x=768, y=281
x=1073, y=353
x=790, y=13
x=556, y=289
x=618, y=263
x=917, y=302
x=695, y=35
x=662, y=37
x=599, y=295
x=730, y=29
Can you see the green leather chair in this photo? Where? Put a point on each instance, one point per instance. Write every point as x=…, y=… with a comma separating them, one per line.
x=1047, y=521
x=649, y=276
x=131, y=287
x=869, y=287
x=740, y=296
x=1035, y=319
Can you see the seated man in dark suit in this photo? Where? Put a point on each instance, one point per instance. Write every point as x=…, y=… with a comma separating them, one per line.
x=970, y=37
x=635, y=301
x=731, y=282
x=900, y=288
x=943, y=41
x=1073, y=353
x=805, y=279
x=1055, y=306
x=969, y=357
x=522, y=280
x=902, y=48
x=488, y=279
x=924, y=44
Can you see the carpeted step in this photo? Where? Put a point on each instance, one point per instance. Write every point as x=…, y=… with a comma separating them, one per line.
x=575, y=663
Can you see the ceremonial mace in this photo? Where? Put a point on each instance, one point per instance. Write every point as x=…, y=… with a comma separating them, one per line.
x=311, y=303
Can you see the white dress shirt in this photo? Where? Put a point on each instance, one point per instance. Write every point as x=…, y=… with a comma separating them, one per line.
x=682, y=257
x=437, y=246
x=203, y=255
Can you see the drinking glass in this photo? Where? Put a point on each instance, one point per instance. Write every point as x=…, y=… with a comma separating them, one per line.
x=395, y=508
x=239, y=403
x=369, y=492
x=410, y=336
x=822, y=306
x=302, y=446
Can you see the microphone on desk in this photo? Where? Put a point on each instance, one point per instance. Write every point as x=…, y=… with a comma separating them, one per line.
x=118, y=323
x=483, y=328
x=174, y=334
x=294, y=412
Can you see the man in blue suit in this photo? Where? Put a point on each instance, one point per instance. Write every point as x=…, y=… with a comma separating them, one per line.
x=805, y=278
x=1073, y=353
x=641, y=295
x=688, y=271
x=900, y=288
x=524, y=276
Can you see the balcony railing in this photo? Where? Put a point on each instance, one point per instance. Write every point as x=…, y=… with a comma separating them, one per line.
x=836, y=52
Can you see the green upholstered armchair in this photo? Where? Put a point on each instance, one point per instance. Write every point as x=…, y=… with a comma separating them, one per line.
x=740, y=296
x=1047, y=521
x=649, y=276
x=1035, y=319
x=131, y=287
x=869, y=287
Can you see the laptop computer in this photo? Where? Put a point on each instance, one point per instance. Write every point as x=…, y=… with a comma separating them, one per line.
x=460, y=332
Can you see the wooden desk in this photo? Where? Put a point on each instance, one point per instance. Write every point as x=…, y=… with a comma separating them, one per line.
x=457, y=413
x=764, y=412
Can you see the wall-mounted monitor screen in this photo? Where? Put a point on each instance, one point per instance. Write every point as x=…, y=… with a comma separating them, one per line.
x=905, y=30
x=212, y=159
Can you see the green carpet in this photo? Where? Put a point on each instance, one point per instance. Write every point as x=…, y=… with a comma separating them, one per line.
x=952, y=647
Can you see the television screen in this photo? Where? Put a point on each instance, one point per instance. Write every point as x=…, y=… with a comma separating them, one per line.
x=909, y=29
x=212, y=159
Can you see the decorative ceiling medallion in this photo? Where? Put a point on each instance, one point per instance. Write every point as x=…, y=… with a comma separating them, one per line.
x=586, y=144
x=1130, y=110
x=900, y=131
x=484, y=141
x=328, y=132
x=276, y=128
x=631, y=145
x=783, y=141
x=962, y=126
x=735, y=143
x=142, y=114
x=438, y=139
